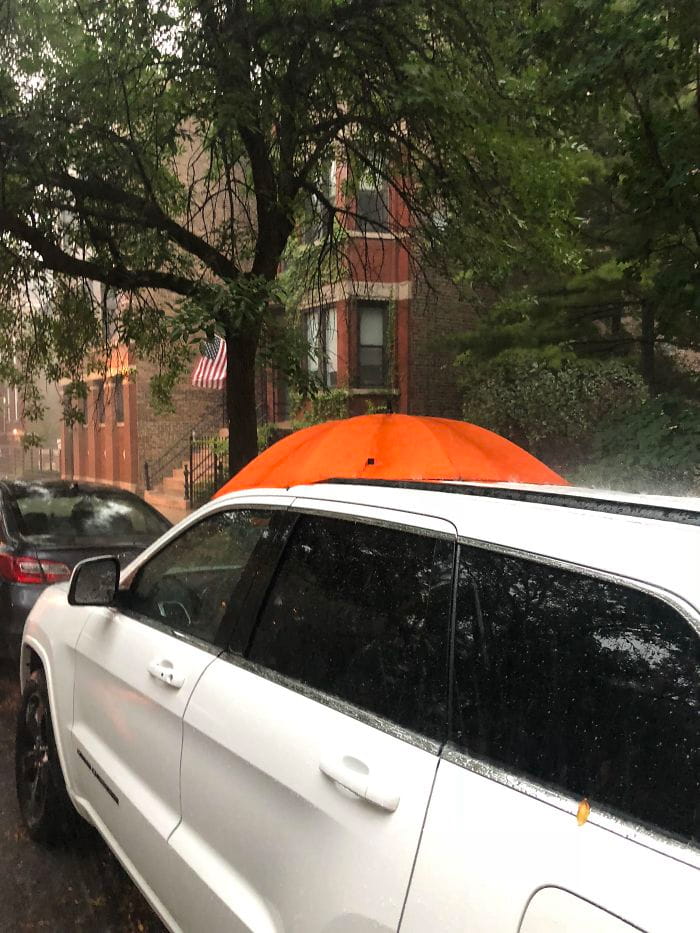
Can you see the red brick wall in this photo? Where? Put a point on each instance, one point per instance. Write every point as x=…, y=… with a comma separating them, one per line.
x=102, y=452
x=156, y=433
x=115, y=453
x=435, y=314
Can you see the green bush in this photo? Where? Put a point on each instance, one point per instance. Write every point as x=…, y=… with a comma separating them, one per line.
x=328, y=405
x=547, y=401
x=267, y=435
x=654, y=448
x=218, y=445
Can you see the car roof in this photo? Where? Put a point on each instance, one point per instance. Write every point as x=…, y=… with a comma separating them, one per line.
x=653, y=540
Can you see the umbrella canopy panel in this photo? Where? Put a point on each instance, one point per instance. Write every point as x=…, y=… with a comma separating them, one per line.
x=391, y=447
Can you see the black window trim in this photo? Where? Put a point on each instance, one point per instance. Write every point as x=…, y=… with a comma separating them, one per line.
x=298, y=507
x=118, y=393
x=237, y=642
x=604, y=817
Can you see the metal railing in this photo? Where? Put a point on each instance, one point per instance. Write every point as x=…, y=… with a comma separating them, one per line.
x=155, y=471
x=207, y=468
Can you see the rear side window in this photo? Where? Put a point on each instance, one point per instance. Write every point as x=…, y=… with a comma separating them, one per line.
x=361, y=613
x=68, y=514
x=583, y=684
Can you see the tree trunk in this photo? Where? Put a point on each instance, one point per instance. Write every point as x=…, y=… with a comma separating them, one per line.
x=240, y=400
x=648, y=343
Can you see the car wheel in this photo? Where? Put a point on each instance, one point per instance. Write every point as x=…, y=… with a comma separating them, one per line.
x=44, y=804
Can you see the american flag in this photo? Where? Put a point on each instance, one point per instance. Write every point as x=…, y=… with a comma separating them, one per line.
x=210, y=369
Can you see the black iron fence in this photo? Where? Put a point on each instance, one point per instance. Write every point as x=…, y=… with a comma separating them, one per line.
x=156, y=469
x=207, y=468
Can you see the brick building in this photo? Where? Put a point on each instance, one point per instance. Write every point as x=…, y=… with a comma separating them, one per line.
x=379, y=334
x=123, y=436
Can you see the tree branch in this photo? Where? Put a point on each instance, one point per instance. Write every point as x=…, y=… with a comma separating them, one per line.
x=58, y=260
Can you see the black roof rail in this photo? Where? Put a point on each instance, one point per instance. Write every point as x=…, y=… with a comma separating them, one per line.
x=661, y=513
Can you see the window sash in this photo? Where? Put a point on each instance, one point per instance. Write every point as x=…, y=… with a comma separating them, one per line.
x=371, y=354
x=101, y=408
x=372, y=210
x=322, y=337
x=119, y=399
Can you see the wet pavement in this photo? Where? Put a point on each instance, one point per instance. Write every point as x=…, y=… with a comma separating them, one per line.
x=78, y=887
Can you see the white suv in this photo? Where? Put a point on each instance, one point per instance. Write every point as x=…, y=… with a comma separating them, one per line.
x=368, y=707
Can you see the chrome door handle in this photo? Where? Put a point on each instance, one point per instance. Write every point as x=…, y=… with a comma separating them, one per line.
x=164, y=670
x=355, y=776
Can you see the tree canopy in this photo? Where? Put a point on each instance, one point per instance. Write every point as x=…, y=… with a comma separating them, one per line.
x=621, y=81
x=171, y=151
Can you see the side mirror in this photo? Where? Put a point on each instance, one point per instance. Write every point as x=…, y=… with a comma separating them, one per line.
x=94, y=582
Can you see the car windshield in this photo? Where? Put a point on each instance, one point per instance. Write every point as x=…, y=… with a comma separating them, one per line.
x=80, y=515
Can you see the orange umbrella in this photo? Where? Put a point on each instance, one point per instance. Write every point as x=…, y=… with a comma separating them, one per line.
x=394, y=447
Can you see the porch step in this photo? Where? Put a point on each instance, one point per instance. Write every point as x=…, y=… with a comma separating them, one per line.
x=175, y=507
x=175, y=483
x=168, y=495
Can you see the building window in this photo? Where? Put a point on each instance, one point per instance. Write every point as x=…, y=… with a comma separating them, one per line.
x=119, y=399
x=333, y=181
x=316, y=227
x=372, y=356
x=100, y=405
x=322, y=337
x=372, y=204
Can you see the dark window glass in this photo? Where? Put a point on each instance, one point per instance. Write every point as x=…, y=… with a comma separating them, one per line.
x=65, y=514
x=119, y=399
x=361, y=613
x=372, y=210
x=583, y=684
x=372, y=343
x=100, y=403
x=189, y=585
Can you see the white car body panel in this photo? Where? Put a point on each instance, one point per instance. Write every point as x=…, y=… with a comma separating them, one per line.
x=296, y=852
x=559, y=911
x=227, y=822
x=270, y=743
x=51, y=632
x=487, y=849
x=127, y=727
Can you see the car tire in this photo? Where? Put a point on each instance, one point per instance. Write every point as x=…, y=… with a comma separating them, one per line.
x=46, y=809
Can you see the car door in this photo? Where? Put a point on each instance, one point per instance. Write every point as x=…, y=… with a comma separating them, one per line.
x=318, y=733
x=136, y=667
x=568, y=797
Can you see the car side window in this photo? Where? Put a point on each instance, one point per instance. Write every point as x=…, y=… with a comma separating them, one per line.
x=583, y=684
x=361, y=612
x=190, y=583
